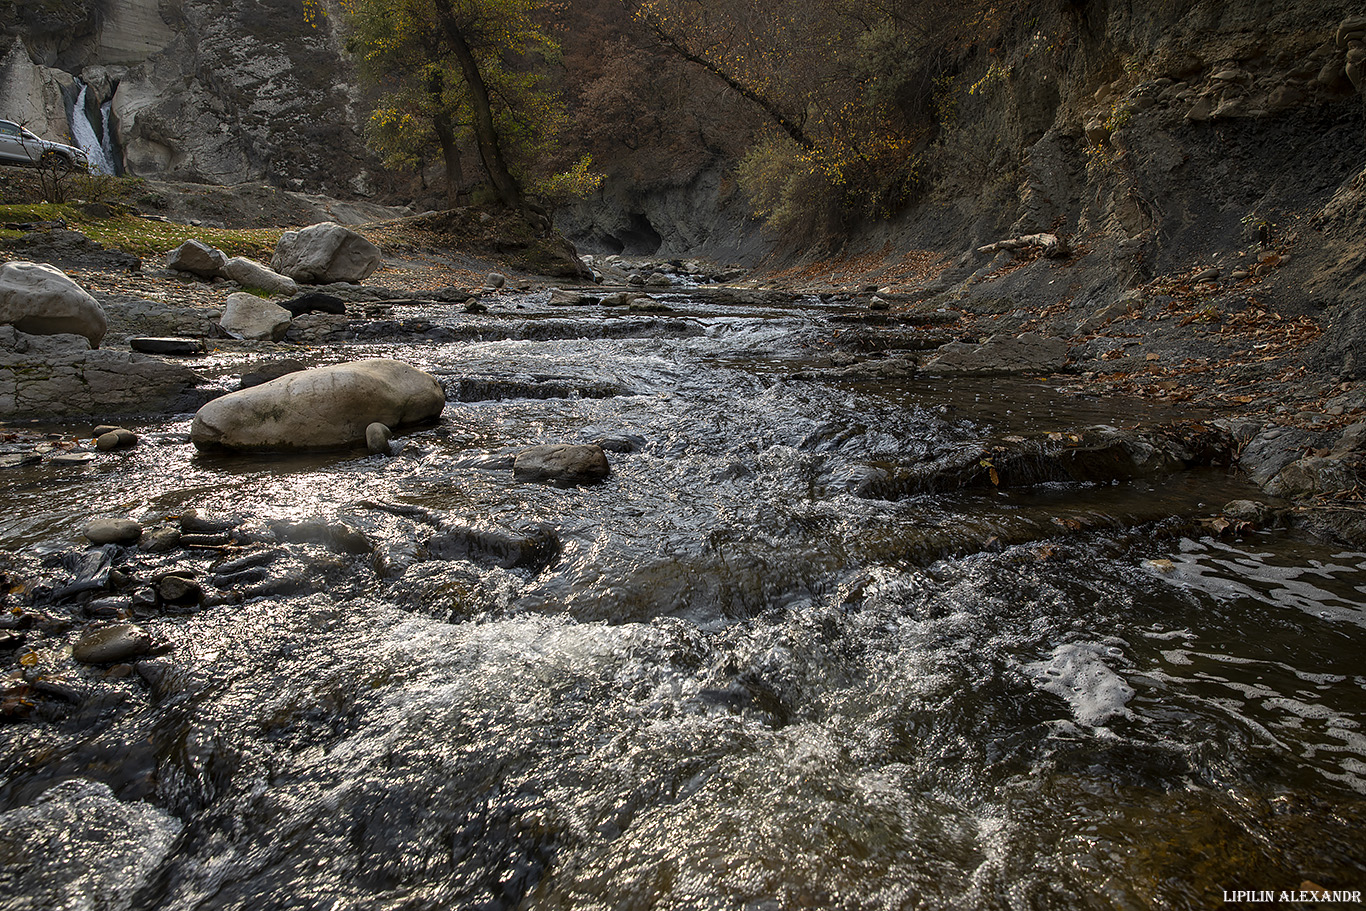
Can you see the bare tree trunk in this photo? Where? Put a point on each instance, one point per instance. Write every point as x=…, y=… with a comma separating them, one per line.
x=450, y=157
x=445, y=136
x=485, y=133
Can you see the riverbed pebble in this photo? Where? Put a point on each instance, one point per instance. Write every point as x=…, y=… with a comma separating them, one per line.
x=377, y=438
x=112, y=643
x=178, y=588
x=113, y=531
x=118, y=438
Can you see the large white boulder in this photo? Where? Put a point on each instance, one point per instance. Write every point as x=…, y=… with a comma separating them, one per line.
x=324, y=408
x=324, y=253
x=247, y=316
x=40, y=300
x=250, y=274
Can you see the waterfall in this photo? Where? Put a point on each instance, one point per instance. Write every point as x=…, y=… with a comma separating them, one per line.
x=99, y=151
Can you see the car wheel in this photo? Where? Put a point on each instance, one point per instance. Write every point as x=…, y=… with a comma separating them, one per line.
x=57, y=161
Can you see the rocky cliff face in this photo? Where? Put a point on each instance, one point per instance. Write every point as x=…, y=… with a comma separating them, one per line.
x=1214, y=146
x=219, y=92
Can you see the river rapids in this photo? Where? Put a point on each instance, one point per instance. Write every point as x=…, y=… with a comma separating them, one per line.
x=721, y=679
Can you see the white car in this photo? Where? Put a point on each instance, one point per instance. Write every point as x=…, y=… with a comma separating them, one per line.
x=19, y=146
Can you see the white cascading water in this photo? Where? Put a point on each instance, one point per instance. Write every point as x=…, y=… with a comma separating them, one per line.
x=101, y=159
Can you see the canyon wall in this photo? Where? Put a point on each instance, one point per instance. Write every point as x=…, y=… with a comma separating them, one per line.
x=223, y=92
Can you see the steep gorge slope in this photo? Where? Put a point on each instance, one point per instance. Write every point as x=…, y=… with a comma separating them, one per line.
x=220, y=92
x=1161, y=142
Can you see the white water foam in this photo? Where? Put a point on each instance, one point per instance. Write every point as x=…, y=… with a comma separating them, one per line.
x=1077, y=673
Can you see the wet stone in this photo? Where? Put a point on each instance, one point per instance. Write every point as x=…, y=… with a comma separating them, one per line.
x=113, y=643
x=108, y=608
x=72, y=459
x=118, y=438
x=270, y=370
x=564, y=464
x=193, y=523
x=19, y=459
x=377, y=438
x=181, y=347
x=113, y=531
x=161, y=539
x=178, y=589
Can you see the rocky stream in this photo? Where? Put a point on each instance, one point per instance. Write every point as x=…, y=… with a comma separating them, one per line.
x=822, y=637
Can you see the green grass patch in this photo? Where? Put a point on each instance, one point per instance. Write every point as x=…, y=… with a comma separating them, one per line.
x=142, y=236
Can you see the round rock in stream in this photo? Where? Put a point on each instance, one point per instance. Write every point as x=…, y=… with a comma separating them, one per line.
x=113, y=531
x=377, y=438
x=111, y=643
x=561, y=463
x=326, y=408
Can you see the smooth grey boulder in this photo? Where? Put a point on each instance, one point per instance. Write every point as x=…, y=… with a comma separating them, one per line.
x=247, y=316
x=38, y=299
x=561, y=463
x=197, y=258
x=250, y=274
x=113, y=531
x=324, y=408
x=325, y=253
x=111, y=643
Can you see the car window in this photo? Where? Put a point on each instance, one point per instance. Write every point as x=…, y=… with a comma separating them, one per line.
x=7, y=129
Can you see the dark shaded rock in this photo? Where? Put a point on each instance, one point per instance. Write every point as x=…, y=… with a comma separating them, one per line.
x=1274, y=448
x=563, y=464
x=111, y=643
x=179, y=589
x=1310, y=477
x=377, y=438
x=315, y=302
x=118, y=438
x=193, y=522
x=168, y=346
x=270, y=370
x=534, y=547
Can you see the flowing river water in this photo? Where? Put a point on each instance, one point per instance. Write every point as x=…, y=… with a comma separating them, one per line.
x=720, y=679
